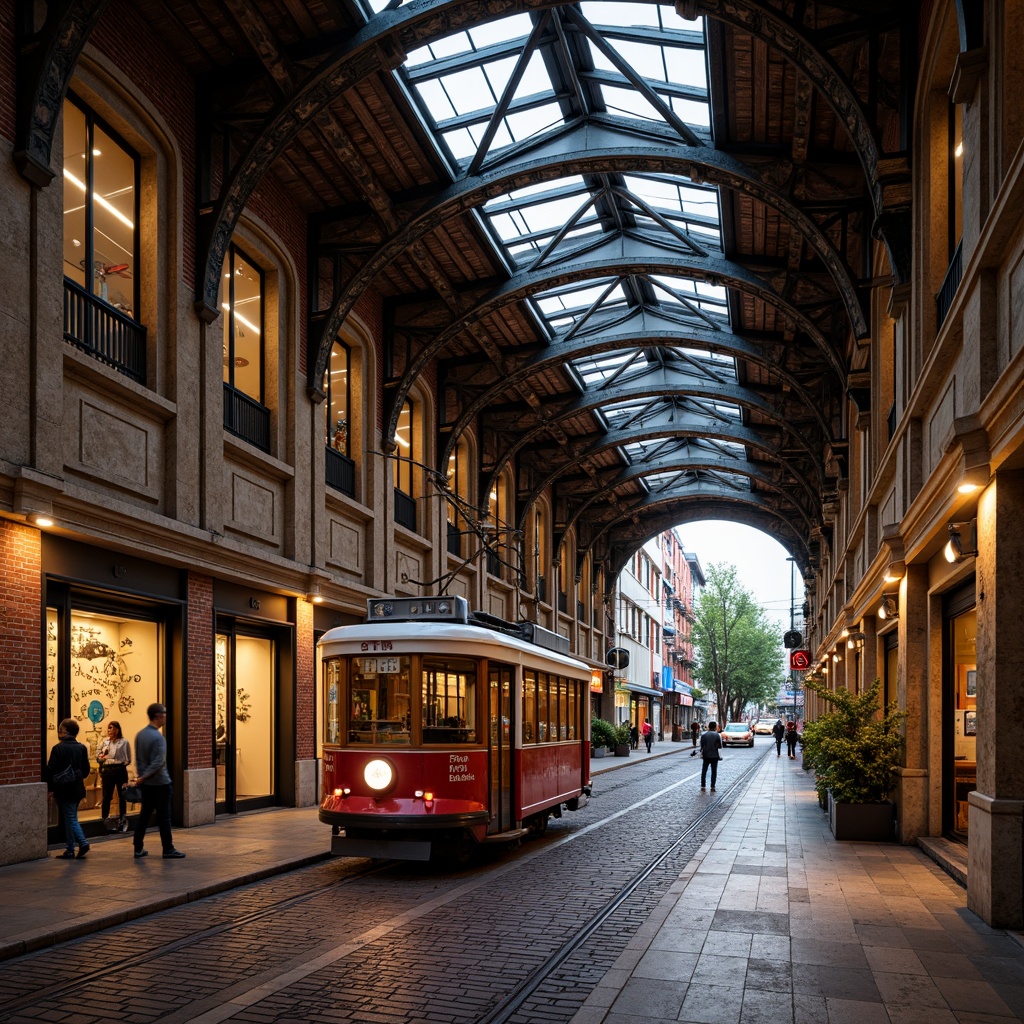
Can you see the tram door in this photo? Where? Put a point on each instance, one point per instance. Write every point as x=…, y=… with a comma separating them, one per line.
x=500, y=710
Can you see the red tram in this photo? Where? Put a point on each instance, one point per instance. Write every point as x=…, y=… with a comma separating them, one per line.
x=445, y=729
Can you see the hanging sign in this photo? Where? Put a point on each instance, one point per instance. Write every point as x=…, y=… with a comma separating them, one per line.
x=799, y=661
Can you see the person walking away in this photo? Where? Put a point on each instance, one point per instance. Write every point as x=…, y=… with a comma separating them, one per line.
x=711, y=754
x=155, y=781
x=69, y=762
x=695, y=731
x=791, y=737
x=778, y=731
x=634, y=737
x=114, y=756
x=647, y=732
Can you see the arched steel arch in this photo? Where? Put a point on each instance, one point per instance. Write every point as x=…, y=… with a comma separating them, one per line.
x=613, y=257
x=736, y=467
x=648, y=386
x=619, y=541
x=651, y=331
x=587, y=148
x=649, y=431
x=380, y=45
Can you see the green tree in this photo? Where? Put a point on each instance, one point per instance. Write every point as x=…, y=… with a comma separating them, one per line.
x=738, y=656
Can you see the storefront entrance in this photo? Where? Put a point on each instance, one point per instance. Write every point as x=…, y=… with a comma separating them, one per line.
x=245, y=699
x=960, y=768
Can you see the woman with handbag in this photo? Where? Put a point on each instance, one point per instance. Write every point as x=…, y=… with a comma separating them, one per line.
x=67, y=767
x=114, y=756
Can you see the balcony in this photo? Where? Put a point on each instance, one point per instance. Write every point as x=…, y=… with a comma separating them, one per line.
x=246, y=418
x=105, y=333
x=340, y=472
x=954, y=273
x=405, y=510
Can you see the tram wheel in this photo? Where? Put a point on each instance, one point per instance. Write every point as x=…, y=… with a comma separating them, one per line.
x=538, y=824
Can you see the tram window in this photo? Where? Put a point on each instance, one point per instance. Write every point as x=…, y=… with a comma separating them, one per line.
x=379, y=705
x=449, y=700
x=573, y=704
x=563, y=708
x=530, y=707
x=544, y=732
x=332, y=700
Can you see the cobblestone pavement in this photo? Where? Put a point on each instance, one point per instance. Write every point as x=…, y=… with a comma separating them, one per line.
x=350, y=940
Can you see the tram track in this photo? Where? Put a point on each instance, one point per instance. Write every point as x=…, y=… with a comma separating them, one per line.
x=232, y=998
x=504, y=1013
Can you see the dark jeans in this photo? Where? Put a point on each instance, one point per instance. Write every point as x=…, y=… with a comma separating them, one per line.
x=791, y=746
x=778, y=746
x=69, y=817
x=112, y=779
x=155, y=798
x=704, y=772
x=649, y=739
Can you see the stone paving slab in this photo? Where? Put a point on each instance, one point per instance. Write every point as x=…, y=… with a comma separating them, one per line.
x=774, y=921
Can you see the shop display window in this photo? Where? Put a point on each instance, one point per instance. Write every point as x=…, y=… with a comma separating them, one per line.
x=115, y=674
x=964, y=630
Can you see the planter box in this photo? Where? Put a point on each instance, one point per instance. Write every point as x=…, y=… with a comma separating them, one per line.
x=622, y=750
x=865, y=823
x=598, y=751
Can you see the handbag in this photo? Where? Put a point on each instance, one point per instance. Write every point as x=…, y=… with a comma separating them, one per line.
x=132, y=794
x=65, y=776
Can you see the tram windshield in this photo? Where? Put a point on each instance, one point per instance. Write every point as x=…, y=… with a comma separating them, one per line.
x=379, y=710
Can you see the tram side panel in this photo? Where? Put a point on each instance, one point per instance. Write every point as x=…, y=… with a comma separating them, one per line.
x=549, y=776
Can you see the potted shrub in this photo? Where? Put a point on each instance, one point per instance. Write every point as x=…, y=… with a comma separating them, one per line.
x=602, y=737
x=856, y=752
x=622, y=740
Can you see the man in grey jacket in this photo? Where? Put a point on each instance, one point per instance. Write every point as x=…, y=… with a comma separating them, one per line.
x=155, y=782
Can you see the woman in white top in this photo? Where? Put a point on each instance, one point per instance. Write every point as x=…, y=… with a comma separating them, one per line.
x=114, y=756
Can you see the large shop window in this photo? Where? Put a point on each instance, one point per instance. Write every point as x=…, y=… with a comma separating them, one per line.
x=244, y=721
x=963, y=631
x=101, y=238
x=101, y=668
x=241, y=301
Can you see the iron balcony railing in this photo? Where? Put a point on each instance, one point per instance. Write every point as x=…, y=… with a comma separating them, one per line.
x=405, y=510
x=105, y=333
x=340, y=472
x=246, y=418
x=954, y=272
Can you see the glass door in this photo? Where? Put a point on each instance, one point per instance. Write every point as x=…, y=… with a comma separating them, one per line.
x=244, y=725
x=502, y=730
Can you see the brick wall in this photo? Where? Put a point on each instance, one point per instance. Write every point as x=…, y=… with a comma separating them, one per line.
x=199, y=665
x=21, y=661
x=305, y=682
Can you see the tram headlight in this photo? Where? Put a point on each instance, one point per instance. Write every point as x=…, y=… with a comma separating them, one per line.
x=379, y=774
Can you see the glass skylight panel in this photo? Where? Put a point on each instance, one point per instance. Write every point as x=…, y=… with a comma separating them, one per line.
x=627, y=14
x=630, y=103
x=594, y=370
x=518, y=25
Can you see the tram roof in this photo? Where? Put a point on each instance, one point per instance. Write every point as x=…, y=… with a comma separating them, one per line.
x=439, y=638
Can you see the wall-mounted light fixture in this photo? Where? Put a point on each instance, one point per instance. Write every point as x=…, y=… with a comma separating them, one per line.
x=963, y=541
x=314, y=596
x=837, y=657
x=890, y=607
x=40, y=519
x=855, y=641
x=896, y=571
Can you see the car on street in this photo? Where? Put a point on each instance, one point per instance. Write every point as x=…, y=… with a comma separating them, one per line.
x=762, y=727
x=738, y=734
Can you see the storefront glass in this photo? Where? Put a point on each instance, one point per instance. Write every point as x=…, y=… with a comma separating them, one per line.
x=115, y=674
x=963, y=633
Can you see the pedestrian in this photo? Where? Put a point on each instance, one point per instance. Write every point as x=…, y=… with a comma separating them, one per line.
x=634, y=737
x=67, y=766
x=155, y=782
x=114, y=756
x=647, y=731
x=695, y=731
x=711, y=754
x=778, y=731
x=791, y=737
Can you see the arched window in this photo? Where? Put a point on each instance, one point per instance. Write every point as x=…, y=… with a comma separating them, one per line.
x=241, y=302
x=407, y=443
x=498, y=514
x=457, y=477
x=340, y=467
x=101, y=241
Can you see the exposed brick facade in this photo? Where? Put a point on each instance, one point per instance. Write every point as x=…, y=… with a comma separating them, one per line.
x=20, y=652
x=200, y=666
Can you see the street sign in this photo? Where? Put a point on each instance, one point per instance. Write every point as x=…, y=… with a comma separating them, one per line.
x=799, y=661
